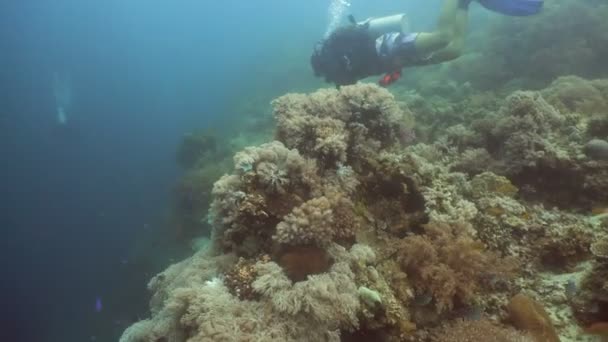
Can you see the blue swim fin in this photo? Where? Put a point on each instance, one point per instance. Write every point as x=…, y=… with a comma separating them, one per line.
x=517, y=8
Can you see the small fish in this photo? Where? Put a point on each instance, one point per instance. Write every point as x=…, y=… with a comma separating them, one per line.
x=570, y=288
x=423, y=299
x=98, y=304
x=472, y=313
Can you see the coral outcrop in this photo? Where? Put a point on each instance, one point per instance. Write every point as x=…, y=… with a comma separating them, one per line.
x=343, y=229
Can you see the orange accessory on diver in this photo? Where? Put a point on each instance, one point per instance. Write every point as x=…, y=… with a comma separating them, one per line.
x=390, y=78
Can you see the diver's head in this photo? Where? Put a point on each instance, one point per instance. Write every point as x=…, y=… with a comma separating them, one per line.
x=345, y=57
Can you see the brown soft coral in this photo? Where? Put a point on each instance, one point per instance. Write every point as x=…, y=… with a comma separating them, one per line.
x=449, y=265
x=530, y=316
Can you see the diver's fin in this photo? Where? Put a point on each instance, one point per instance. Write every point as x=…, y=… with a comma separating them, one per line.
x=517, y=8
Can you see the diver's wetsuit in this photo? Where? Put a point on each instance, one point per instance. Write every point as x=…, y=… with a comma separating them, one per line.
x=396, y=46
x=387, y=53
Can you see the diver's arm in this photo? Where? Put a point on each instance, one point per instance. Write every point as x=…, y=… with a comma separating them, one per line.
x=447, y=41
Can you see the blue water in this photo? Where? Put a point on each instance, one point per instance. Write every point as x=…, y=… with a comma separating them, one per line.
x=77, y=198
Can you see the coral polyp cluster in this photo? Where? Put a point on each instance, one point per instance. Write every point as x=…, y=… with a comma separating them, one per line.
x=343, y=229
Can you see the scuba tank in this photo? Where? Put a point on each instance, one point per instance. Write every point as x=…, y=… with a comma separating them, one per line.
x=376, y=27
x=379, y=26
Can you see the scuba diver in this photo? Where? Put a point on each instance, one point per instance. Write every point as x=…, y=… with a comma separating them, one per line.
x=384, y=45
x=62, y=91
x=64, y=125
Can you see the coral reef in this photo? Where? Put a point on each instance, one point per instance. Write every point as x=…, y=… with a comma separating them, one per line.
x=342, y=229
